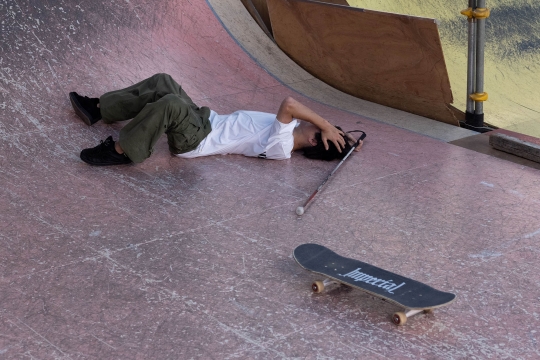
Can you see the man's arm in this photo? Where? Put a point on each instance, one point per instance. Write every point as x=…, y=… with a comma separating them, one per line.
x=291, y=109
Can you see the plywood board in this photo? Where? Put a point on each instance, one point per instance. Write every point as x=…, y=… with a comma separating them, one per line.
x=258, y=9
x=394, y=60
x=259, y=14
x=262, y=9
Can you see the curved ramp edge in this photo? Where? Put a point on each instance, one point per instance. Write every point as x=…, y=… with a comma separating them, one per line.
x=241, y=27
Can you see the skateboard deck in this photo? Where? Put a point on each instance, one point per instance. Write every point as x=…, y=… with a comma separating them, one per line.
x=409, y=294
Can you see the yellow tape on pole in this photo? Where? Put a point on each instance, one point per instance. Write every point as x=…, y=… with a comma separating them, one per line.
x=479, y=97
x=469, y=13
x=481, y=13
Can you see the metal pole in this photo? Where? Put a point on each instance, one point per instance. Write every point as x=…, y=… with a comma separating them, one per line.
x=480, y=45
x=471, y=58
x=477, y=13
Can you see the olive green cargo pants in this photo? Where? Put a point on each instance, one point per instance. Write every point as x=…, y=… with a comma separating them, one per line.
x=157, y=105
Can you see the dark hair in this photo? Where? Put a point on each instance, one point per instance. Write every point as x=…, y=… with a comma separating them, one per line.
x=318, y=151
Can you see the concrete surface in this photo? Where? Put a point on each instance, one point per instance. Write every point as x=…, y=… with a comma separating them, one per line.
x=480, y=143
x=181, y=259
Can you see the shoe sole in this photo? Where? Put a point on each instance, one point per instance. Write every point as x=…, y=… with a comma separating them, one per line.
x=89, y=161
x=79, y=110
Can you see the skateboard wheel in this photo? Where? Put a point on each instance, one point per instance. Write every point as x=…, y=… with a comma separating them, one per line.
x=399, y=318
x=428, y=311
x=317, y=287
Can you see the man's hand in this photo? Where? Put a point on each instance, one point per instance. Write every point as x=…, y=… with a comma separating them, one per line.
x=333, y=134
x=353, y=140
x=291, y=109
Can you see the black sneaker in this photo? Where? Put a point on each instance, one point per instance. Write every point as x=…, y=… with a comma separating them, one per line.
x=86, y=108
x=104, y=154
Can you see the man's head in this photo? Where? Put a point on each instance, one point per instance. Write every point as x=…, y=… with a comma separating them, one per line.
x=318, y=151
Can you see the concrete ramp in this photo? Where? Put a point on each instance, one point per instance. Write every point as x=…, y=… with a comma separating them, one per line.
x=186, y=259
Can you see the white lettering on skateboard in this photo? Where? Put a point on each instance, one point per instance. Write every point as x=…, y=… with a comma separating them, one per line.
x=388, y=285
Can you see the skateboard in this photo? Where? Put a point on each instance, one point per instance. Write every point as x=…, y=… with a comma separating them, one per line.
x=413, y=296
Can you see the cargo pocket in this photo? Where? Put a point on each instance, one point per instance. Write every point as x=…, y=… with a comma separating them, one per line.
x=186, y=135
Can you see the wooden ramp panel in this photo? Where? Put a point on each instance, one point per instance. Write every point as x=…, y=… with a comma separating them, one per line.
x=390, y=59
x=259, y=12
x=258, y=9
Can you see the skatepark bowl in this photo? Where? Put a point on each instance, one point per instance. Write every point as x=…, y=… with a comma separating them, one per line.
x=184, y=259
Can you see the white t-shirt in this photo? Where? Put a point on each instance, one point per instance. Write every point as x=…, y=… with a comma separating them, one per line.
x=249, y=133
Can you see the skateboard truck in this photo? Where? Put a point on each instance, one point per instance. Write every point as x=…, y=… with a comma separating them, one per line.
x=398, y=318
x=319, y=286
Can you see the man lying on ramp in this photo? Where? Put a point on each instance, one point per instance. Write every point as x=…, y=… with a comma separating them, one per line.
x=159, y=105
